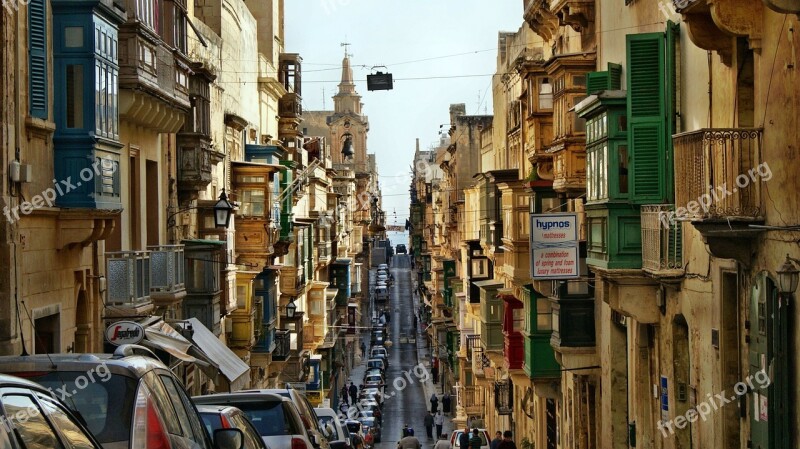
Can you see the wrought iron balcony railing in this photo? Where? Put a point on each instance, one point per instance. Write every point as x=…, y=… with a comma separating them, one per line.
x=662, y=245
x=718, y=174
x=473, y=341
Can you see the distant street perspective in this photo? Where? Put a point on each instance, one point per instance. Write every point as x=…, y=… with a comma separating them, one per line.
x=399, y=224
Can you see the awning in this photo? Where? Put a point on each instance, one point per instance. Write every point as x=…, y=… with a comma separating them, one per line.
x=230, y=365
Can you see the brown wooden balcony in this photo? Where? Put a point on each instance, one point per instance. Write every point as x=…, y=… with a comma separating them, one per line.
x=153, y=77
x=472, y=399
x=473, y=341
x=292, y=280
x=718, y=177
x=662, y=245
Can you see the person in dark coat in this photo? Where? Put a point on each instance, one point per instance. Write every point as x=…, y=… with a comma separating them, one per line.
x=446, y=403
x=429, y=425
x=463, y=439
x=434, y=403
x=353, y=393
x=507, y=443
x=344, y=394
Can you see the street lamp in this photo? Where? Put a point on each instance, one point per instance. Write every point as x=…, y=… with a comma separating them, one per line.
x=291, y=308
x=788, y=276
x=223, y=211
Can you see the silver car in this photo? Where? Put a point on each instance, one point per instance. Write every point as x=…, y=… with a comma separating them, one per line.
x=275, y=417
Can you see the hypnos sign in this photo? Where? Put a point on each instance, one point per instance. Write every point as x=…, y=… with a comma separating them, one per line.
x=554, y=246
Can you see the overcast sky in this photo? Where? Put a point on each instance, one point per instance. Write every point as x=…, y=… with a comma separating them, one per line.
x=451, y=44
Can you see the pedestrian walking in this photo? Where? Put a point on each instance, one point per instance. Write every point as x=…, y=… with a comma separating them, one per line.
x=353, y=393
x=434, y=403
x=438, y=420
x=409, y=441
x=363, y=349
x=475, y=441
x=507, y=443
x=446, y=402
x=442, y=443
x=463, y=439
x=344, y=394
x=405, y=431
x=498, y=438
x=428, y=421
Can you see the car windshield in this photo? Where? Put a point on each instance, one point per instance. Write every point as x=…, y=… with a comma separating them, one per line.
x=269, y=418
x=105, y=406
x=369, y=422
x=354, y=427
x=326, y=422
x=481, y=434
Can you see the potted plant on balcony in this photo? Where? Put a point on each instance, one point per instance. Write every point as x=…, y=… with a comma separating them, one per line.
x=533, y=180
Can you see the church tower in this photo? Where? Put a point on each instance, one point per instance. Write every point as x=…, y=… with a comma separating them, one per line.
x=348, y=120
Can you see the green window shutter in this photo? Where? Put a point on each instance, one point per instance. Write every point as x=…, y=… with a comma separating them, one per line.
x=646, y=112
x=37, y=58
x=614, y=76
x=596, y=81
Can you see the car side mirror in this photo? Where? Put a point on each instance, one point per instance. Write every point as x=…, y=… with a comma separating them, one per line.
x=314, y=440
x=228, y=439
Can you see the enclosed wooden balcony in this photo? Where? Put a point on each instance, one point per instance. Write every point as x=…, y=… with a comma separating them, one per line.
x=718, y=183
x=472, y=399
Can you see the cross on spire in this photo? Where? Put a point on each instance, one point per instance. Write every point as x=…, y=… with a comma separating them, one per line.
x=346, y=45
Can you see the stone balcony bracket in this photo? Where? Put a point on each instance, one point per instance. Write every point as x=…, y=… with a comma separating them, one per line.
x=711, y=24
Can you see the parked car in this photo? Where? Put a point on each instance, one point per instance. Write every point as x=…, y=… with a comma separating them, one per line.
x=401, y=249
x=381, y=293
x=334, y=431
x=135, y=403
x=373, y=393
x=275, y=417
x=32, y=414
x=483, y=433
x=373, y=379
x=372, y=423
x=376, y=363
x=383, y=266
x=310, y=419
x=354, y=427
x=217, y=417
x=379, y=350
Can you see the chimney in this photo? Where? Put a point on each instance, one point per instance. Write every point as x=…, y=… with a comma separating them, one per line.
x=417, y=144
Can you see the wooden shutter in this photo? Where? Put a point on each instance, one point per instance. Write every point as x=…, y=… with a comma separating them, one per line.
x=37, y=58
x=646, y=114
x=596, y=81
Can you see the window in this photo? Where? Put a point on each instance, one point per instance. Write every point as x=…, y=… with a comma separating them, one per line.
x=180, y=410
x=74, y=436
x=545, y=94
x=253, y=202
x=544, y=316
x=35, y=432
x=37, y=58
x=73, y=37
x=163, y=403
x=74, y=95
x=518, y=319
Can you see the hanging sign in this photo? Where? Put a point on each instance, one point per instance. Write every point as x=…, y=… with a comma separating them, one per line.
x=554, y=246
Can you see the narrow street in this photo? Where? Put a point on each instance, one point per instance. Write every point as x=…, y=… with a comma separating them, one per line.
x=407, y=389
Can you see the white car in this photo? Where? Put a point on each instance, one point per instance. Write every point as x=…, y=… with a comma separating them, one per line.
x=332, y=427
x=383, y=266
